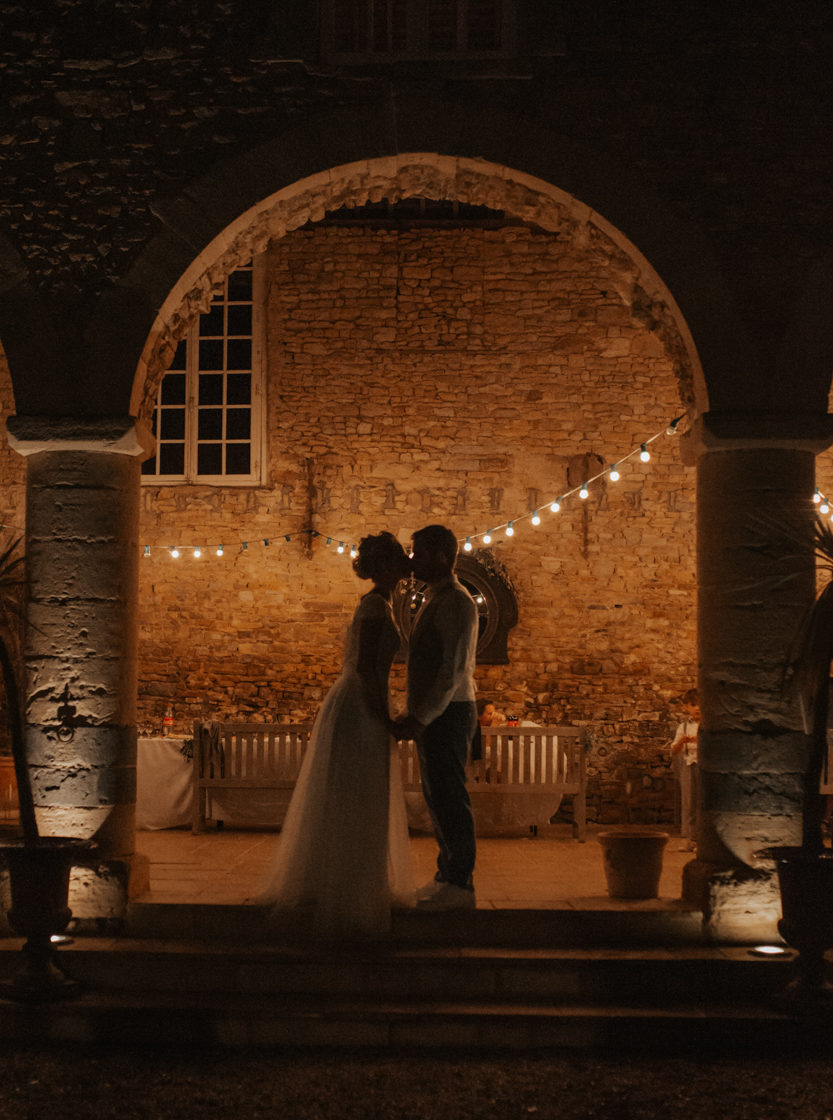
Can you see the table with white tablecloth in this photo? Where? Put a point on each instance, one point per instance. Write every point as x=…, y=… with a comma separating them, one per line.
x=165, y=792
x=164, y=784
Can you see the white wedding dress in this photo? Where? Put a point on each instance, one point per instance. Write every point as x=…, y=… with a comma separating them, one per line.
x=343, y=859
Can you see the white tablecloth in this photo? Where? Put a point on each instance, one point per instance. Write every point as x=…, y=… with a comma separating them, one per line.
x=164, y=793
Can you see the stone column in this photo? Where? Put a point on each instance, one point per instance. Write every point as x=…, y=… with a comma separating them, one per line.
x=756, y=577
x=80, y=652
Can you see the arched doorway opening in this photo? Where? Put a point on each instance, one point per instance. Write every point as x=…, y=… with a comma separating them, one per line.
x=432, y=370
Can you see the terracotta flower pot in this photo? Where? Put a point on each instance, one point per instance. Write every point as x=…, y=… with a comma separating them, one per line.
x=39, y=879
x=632, y=861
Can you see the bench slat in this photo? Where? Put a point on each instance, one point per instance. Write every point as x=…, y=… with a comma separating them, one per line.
x=516, y=760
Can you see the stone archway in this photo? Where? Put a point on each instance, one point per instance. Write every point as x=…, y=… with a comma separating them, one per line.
x=625, y=272
x=435, y=177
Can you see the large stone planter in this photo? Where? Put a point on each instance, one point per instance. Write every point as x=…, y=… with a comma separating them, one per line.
x=39, y=881
x=632, y=860
x=805, y=880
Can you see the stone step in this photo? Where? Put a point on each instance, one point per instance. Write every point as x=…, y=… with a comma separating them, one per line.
x=644, y=977
x=651, y=923
x=166, y=994
x=245, y=1024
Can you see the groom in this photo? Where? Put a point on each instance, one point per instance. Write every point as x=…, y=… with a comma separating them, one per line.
x=441, y=714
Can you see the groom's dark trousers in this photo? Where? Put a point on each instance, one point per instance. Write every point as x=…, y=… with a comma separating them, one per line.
x=443, y=751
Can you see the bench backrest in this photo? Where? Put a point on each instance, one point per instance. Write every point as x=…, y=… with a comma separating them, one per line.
x=250, y=750
x=514, y=758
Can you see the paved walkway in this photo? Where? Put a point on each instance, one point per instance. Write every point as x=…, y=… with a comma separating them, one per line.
x=230, y=867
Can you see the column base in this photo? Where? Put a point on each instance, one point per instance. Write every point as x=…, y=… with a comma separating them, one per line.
x=98, y=894
x=739, y=905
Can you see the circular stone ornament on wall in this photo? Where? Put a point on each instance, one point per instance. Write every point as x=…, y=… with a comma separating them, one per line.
x=488, y=583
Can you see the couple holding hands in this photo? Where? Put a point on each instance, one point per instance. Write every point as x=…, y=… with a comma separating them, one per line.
x=343, y=860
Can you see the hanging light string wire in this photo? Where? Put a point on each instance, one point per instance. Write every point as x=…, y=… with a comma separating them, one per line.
x=341, y=540
x=583, y=489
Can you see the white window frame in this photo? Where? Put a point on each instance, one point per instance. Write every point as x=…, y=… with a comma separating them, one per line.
x=257, y=473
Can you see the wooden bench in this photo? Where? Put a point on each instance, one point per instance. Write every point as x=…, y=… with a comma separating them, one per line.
x=545, y=763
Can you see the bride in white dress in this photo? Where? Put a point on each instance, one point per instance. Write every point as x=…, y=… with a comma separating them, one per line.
x=343, y=859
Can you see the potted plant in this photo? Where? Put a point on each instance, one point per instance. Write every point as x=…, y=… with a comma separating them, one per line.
x=39, y=866
x=805, y=871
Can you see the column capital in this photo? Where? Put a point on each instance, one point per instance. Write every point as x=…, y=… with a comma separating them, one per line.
x=114, y=435
x=757, y=431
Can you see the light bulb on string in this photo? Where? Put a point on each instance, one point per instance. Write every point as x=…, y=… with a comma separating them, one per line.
x=147, y=550
x=175, y=552
x=467, y=545
x=817, y=496
x=644, y=453
x=487, y=538
x=824, y=507
x=245, y=546
x=340, y=547
x=555, y=507
x=220, y=550
x=613, y=474
x=510, y=530
x=536, y=518
x=584, y=493
x=197, y=552
x=354, y=552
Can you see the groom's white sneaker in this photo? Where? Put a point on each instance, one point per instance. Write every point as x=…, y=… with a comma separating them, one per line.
x=448, y=897
x=429, y=890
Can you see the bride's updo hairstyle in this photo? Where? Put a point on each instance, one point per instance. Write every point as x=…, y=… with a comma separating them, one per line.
x=376, y=554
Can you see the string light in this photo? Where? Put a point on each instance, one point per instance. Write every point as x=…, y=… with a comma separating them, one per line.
x=197, y=553
x=824, y=508
x=583, y=491
x=817, y=496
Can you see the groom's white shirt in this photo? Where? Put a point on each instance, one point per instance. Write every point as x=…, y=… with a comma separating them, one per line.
x=441, y=651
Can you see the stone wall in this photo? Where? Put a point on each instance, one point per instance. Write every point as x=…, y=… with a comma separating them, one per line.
x=12, y=516
x=456, y=375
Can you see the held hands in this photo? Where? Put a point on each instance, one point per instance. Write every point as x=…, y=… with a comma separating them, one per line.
x=406, y=727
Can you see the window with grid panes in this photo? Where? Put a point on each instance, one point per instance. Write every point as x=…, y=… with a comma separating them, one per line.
x=207, y=419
